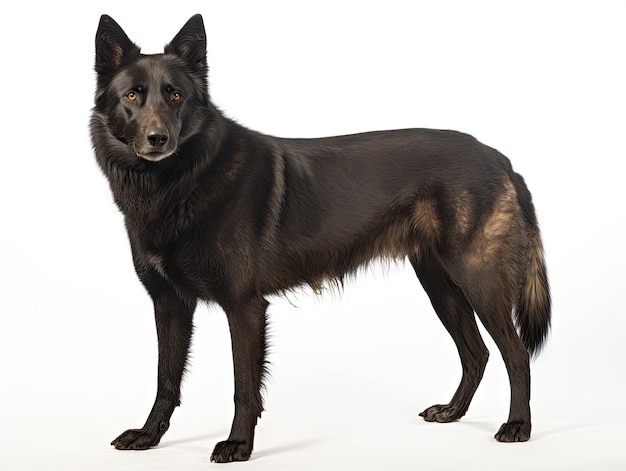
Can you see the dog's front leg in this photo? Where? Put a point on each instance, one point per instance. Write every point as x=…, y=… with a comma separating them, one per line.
x=247, y=323
x=174, y=327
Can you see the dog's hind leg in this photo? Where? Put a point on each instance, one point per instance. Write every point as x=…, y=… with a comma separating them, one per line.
x=494, y=311
x=457, y=316
x=247, y=323
x=490, y=271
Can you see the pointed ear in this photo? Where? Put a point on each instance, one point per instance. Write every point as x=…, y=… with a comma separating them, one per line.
x=190, y=44
x=113, y=47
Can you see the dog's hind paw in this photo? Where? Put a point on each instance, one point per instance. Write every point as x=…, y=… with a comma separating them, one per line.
x=231, y=450
x=514, y=431
x=441, y=413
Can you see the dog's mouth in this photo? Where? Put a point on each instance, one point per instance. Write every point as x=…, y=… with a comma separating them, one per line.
x=155, y=155
x=151, y=153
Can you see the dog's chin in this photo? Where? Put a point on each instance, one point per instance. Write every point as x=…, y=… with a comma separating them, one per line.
x=155, y=156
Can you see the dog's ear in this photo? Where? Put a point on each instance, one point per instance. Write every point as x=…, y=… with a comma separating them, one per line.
x=190, y=45
x=113, y=47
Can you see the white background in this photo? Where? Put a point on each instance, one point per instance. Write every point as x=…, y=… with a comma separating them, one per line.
x=542, y=81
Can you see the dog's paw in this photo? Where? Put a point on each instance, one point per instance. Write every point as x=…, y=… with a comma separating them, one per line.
x=441, y=413
x=515, y=431
x=231, y=450
x=140, y=439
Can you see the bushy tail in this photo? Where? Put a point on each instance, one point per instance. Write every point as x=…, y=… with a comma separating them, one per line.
x=533, y=309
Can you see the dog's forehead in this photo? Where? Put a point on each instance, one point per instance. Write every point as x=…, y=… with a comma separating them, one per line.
x=152, y=71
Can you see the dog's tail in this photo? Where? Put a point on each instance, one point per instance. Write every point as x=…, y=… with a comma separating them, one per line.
x=533, y=310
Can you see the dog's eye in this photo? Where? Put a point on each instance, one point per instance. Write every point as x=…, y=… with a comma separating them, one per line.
x=176, y=96
x=132, y=96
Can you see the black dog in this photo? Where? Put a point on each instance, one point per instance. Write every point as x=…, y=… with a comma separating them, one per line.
x=217, y=212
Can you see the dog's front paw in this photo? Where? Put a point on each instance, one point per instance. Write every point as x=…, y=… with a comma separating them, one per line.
x=514, y=431
x=441, y=413
x=231, y=450
x=140, y=439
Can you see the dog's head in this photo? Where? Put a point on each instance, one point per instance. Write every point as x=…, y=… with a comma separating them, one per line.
x=150, y=103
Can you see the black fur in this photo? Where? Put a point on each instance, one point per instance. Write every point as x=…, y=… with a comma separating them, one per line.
x=219, y=213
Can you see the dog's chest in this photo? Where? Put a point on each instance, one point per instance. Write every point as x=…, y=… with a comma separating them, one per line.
x=190, y=271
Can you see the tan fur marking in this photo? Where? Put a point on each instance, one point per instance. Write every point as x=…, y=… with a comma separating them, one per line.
x=396, y=242
x=156, y=262
x=535, y=290
x=499, y=223
x=463, y=212
x=276, y=201
x=425, y=220
x=499, y=230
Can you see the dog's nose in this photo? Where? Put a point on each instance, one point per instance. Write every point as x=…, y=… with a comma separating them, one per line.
x=157, y=138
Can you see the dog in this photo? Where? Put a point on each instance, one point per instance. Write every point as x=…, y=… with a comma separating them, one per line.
x=219, y=213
